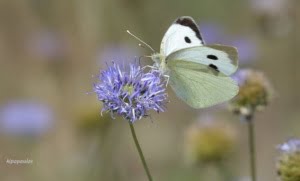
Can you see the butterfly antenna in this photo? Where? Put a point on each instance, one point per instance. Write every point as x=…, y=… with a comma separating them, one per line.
x=140, y=41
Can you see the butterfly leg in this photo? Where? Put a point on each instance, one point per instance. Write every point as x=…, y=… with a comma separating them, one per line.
x=167, y=78
x=150, y=66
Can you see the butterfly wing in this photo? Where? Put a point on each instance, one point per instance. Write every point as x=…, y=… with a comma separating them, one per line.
x=222, y=59
x=198, y=87
x=198, y=73
x=183, y=33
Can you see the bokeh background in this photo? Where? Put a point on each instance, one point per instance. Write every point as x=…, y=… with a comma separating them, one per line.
x=50, y=52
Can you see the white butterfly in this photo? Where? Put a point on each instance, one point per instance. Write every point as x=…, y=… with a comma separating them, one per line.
x=198, y=73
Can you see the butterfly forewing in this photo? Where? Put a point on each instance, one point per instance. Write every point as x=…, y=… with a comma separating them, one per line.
x=183, y=33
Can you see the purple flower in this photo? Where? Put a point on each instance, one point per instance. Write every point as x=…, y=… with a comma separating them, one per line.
x=25, y=118
x=291, y=146
x=131, y=94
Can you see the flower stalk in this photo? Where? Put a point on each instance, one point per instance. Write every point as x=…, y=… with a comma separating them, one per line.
x=255, y=94
x=138, y=147
x=252, y=152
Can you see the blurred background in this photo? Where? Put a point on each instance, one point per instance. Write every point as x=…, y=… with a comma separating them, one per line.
x=50, y=52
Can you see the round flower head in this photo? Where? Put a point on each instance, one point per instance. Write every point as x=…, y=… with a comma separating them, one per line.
x=131, y=94
x=255, y=92
x=209, y=142
x=288, y=166
x=25, y=118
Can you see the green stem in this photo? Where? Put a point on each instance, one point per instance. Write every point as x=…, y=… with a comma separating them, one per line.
x=140, y=152
x=252, y=149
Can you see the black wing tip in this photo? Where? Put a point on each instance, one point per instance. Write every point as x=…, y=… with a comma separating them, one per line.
x=189, y=22
x=185, y=18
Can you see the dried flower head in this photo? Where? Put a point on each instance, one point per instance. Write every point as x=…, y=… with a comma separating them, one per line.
x=209, y=142
x=288, y=166
x=131, y=94
x=255, y=92
x=273, y=17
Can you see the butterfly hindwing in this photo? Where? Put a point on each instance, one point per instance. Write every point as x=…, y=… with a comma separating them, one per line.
x=219, y=58
x=183, y=33
x=200, y=89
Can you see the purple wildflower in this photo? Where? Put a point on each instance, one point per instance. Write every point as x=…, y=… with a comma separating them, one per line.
x=25, y=118
x=131, y=94
x=290, y=146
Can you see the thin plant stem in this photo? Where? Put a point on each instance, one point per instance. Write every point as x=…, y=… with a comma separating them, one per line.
x=251, y=134
x=294, y=46
x=138, y=147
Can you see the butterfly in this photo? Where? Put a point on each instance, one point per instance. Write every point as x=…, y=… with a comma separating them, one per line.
x=198, y=73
